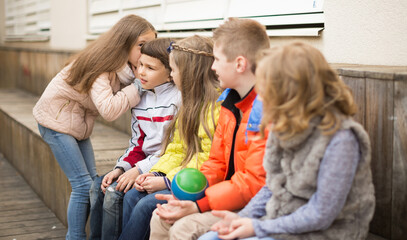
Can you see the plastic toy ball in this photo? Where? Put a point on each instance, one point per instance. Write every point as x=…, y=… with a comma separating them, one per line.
x=189, y=184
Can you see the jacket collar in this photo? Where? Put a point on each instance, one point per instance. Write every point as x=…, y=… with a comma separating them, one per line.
x=247, y=101
x=161, y=88
x=231, y=99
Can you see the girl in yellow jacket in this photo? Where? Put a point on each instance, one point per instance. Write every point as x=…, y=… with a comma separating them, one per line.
x=189, y=136
x=99, y=80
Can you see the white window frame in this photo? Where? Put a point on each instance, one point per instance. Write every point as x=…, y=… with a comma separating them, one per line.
x=183, y=18
x=27, y=20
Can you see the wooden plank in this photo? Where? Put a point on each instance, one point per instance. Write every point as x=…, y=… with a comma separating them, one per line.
x=5, y=129
x=17, y=232
x=25, y=216
x=399, y=189
x=8, y=68
x=379, y=125
x=49, y=234
x=358, y=87
x=24, y=73
x=29, y=223
x=38, y=66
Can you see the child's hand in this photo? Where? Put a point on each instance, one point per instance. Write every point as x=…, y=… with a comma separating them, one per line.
x=239, y=228
x=109, y=178
x=153, y=184
x=140, y=179
x=127, y=179
x=222, y=227
x=175, y=209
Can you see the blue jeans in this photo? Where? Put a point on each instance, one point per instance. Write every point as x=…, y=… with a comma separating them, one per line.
x=77, y=160
x=214, y=236
x=105, y=211
x=138, y=208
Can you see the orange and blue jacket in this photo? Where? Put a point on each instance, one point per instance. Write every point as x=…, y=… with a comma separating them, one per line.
x=231, y=186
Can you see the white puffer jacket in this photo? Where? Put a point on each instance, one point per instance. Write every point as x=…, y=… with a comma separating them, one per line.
x=65, y=110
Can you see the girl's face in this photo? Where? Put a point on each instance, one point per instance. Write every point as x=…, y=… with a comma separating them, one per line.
x=152, y=72
x=175, y=72
x=135, y=50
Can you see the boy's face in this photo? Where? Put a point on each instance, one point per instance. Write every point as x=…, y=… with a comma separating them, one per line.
x=151, y=72
x=175, y=72
x=224, y=69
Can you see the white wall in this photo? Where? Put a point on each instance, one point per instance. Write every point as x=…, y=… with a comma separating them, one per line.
x=366, y=32
x=68, y=24
x=371, y=32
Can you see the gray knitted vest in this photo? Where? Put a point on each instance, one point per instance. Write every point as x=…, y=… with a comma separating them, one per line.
x=292, y=169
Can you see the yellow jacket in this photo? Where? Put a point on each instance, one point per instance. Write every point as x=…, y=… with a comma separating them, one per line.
x=170, y=162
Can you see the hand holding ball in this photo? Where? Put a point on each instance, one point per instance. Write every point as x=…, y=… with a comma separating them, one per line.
x=189, y=184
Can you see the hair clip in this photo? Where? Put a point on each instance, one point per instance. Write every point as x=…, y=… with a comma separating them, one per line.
x=170, y=48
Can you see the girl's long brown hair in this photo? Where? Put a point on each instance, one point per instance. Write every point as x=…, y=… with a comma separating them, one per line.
x=297, y=84
x=108, y=53
x=199, y=89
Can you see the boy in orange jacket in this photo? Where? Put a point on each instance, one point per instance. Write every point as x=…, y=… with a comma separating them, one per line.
x=235, y=166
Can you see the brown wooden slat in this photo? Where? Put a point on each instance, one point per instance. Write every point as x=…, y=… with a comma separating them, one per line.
x=399, y=190
x=358, y=87
x=379, y=125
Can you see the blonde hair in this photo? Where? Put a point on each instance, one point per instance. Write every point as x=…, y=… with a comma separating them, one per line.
x=108, y=53
x=297, y=84
x=243, y=37
x=199, y=90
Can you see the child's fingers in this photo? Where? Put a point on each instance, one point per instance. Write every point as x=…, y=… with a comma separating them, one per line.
x=223, y=230
x=121, y=184
x=138, y=187
x=109, y=179
x=103, y=188
x=128, y=186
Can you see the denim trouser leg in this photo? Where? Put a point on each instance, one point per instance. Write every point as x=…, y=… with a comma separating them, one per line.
x=96, y=209
x=112, y=213
x=77, y=161
x=209, y=236
x=214, y=236
x=138, y=208
x=105, y=211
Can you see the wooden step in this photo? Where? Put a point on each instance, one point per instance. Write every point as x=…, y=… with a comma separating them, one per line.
x=22, y=145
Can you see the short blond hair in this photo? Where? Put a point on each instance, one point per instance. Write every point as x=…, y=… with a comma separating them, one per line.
x=243, y=37
x=297, y=84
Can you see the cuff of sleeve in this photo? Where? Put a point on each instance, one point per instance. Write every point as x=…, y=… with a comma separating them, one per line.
x=139, y=169
x=203, y=204
x=167, y=183
x=257, y=229
x=132, y=94
x=125, y=165
x=144, y=166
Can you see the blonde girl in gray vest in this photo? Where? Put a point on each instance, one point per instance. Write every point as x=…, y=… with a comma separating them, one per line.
x=317, y=159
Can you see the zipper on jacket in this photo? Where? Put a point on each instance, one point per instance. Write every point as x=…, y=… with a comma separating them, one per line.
x=63, y=106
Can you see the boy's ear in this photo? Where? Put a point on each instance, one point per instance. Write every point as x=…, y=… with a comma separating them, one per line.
x=241, y=64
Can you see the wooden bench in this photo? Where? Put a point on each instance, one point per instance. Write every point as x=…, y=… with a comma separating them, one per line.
x=380, y=92
x=22, y=145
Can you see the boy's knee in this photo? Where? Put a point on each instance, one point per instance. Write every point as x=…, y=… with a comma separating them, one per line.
x=112, y=197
